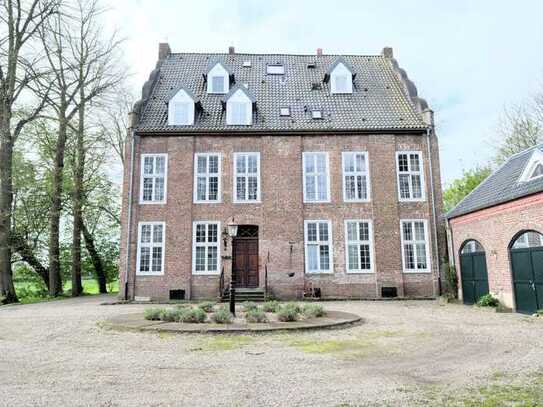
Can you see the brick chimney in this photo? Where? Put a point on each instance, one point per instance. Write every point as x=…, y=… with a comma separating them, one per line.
x=319, y=52
x=163, y=50
x=387, y=52
x=231, y=50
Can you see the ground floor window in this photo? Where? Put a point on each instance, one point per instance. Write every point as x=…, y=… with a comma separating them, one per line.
x=318, y=246
x=358, y=246
x=414, y=237
x=150, y=257
x=206, y=248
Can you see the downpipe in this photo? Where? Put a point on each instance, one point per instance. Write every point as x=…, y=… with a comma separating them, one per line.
x=129, y=223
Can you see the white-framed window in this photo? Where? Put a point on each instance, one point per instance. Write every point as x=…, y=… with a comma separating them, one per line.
x=355, y=176
x=151, y=242
x=239, y=113
x=358, y=246
x=533, y=168
x=341, y=79
x=239, y=108
x=181, y=109
x=410, y=175
x=154, y=173
x=318, y=246
x=316, y=177
x=218, y=79
x=246, y=177
x=181, y=113
x=415, y=249
x=207, y=177
x=206, y=248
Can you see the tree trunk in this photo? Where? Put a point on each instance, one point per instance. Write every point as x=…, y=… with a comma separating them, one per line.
x=55, y=280
x=19, y=245
x=7, y=289
x=96, y=259
x=78, y=204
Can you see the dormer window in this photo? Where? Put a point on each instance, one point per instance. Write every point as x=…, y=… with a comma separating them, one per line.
x=534, y=168
x=340, y=76
x=239, y=103
x=218, y=78
x=275, y=69
x=284, y=111
x=181, y=108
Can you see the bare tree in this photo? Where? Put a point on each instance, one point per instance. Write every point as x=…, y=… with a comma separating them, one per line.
x=84, y=69
x=21, y=20
x=520, y=127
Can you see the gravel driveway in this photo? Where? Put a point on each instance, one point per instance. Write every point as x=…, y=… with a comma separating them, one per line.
x=56, y=353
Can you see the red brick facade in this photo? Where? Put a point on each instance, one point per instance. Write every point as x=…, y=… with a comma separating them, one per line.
x=495, y=229
x=281, y=214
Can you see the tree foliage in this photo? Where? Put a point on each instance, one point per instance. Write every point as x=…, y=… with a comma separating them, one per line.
x=461, y=187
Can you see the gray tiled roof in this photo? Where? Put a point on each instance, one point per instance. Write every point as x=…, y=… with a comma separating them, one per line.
x=501, y=186
x=383, y=96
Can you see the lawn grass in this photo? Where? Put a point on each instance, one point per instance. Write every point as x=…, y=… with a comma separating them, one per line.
x=30, y=293
x=223, y=343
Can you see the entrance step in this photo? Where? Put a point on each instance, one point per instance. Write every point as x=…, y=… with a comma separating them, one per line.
x=245, y=294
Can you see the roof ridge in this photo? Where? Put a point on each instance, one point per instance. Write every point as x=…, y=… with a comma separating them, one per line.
x=278, y=54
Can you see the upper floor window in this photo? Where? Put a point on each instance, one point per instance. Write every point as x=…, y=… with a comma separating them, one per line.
x=181, y=108
x=534, y=167
x=218, y=78
x=414, y=245
x=340, y=75
x=246, y=177
x=316, y=177
x=150, y=256
x=153, y=178
x=355, y=177
x=410, y=176
x=358, y=243
x=318, y=246
x=239, y=106
x=206, y=248
x=207, y=177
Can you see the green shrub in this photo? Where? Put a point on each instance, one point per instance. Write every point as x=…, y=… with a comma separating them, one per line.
x=289, y=312
x=248, y=306
x=450, y=280
x=193, y=315
x=153, y=314
x=170, y=315
x=222, y=315
x=488, y=300
x=293, y=305
x=256, y=315
x=270, y=306
x=207, y=306
x=313, y=310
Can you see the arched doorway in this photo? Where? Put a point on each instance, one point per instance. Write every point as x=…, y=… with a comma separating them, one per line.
x=526, y=252
x=473, y=271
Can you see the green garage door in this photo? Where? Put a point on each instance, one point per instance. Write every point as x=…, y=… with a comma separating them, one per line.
x=473, y=272
x=527, y=269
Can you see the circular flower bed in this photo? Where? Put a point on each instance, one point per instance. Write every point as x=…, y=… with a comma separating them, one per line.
x=250, y=312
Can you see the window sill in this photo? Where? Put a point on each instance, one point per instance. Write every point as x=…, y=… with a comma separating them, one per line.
x=360, y=272
x=317, y=202
x=412, y=200
x=208, y=274
x=149, y=274
x=417, y=271
x=356, y=201
x=152, y=202
x=316, y=273
x=247, y=202
x=207, y=202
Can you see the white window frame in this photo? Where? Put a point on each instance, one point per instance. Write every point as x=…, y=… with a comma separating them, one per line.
x=246, y=176
x=411, y=173
x=341, y=71
x=533, y=162
x=151, y=245
x=330, y=243
x=275, y=69
x=428, y=268
x=218, y=70
x=206, y=244
x=306, y=154
x=355, y=173
x=154, y=176
x=359, y=242
x=207, y=175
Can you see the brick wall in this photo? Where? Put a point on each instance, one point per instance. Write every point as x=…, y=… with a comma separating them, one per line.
x=281, y=213
x=495, y=228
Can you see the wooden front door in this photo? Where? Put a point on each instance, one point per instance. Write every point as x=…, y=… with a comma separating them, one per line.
x=245, y=262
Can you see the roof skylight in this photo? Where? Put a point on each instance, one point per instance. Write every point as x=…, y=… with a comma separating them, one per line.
x=316, y=114
x=284, y=111
x=246, y=64
x=275, y=69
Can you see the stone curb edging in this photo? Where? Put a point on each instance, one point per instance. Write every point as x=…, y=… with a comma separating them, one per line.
x=136, y=322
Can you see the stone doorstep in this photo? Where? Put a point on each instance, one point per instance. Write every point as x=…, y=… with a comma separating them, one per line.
x=138, y=323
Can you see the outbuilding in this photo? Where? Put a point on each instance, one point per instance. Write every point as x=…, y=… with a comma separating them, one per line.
x=496, y=235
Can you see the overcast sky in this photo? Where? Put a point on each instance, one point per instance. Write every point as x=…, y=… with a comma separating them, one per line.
x=469, y=59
